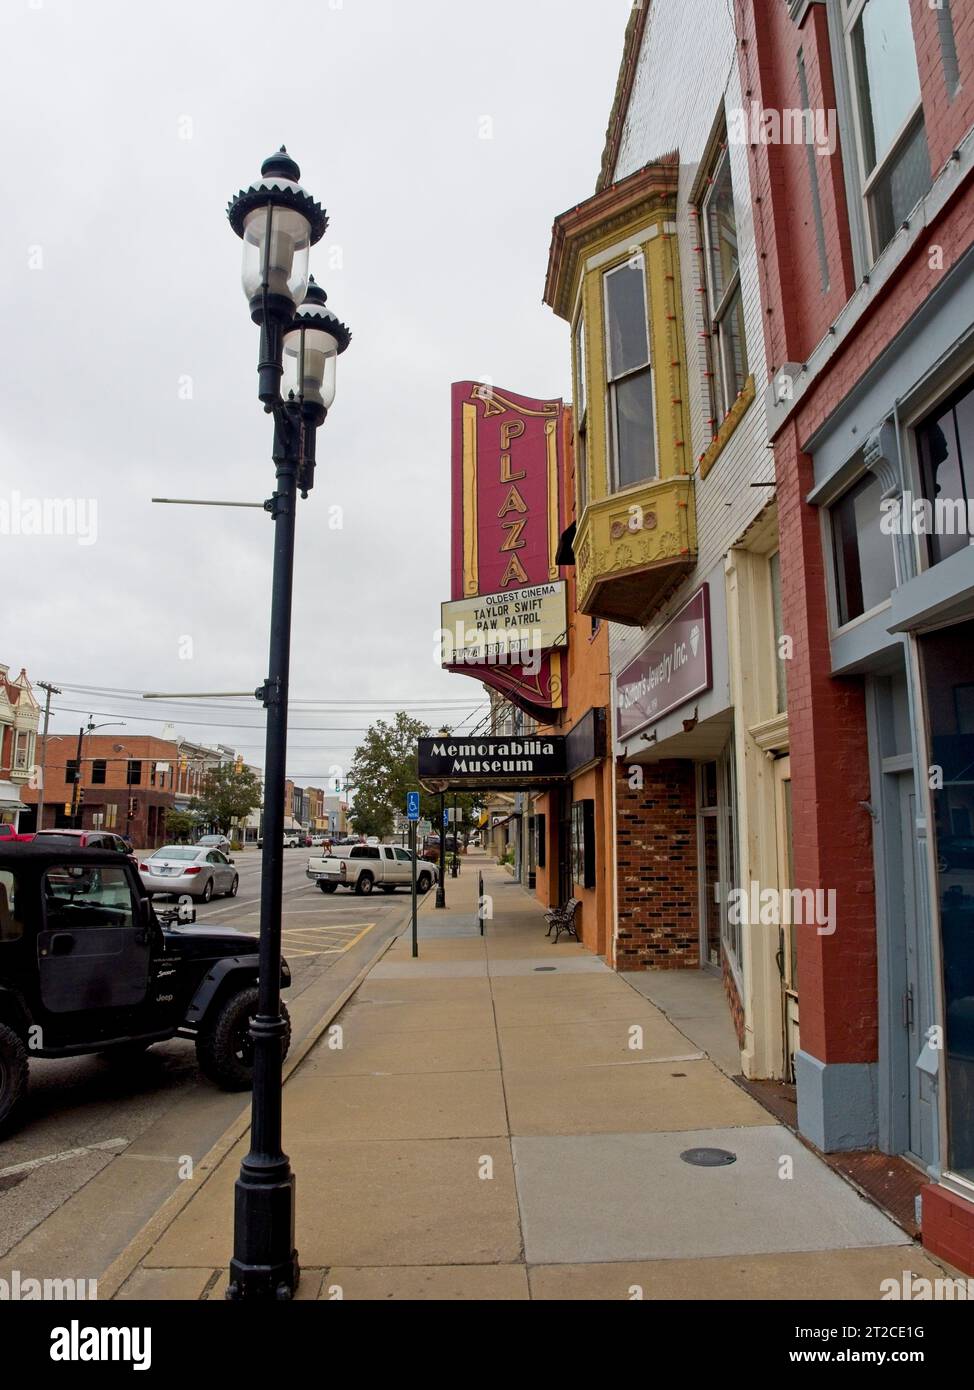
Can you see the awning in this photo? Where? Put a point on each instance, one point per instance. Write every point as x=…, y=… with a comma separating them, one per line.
x=10, y=798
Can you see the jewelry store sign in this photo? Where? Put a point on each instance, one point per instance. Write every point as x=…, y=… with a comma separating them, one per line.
x=669, y=671
x=517, y=623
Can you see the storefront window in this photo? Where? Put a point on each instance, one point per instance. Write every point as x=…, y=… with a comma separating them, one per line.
x=863, y=554
x=583, y=844
x=716, y=810
x=948, y=671
x=946, y=446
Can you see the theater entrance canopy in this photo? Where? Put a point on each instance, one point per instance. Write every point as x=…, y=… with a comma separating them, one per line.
x=492, y=764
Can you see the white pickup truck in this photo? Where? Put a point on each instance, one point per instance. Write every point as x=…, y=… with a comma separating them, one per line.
x=364, y=867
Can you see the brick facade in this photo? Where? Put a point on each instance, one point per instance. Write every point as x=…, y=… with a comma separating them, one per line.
x=803, y=298
x=656, y=865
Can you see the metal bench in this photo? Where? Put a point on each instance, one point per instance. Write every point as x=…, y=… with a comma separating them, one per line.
x=562, y=919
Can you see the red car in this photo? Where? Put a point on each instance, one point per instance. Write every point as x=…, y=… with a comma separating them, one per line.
x=83, y=839
x=9, y=836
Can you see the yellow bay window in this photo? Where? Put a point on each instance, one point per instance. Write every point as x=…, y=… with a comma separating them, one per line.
x=614, y=274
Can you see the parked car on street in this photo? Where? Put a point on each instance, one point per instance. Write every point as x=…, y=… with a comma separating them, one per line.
x=10, y=836
x=220, y=842
x=85, y=839
x=292, y=839
x=86, y=965
x=362, y=867
x=189, y=869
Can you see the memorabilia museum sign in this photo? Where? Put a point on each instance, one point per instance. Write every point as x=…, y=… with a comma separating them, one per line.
x=670, y=670
x=507, y=465
x=456, y=763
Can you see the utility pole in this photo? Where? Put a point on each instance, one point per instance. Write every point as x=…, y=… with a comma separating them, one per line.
x=77, y=778
x=51, y=690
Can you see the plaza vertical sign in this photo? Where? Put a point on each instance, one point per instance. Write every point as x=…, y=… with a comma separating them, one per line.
x=508, y=456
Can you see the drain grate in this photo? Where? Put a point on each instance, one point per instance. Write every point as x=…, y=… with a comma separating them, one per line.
x=708, y=1158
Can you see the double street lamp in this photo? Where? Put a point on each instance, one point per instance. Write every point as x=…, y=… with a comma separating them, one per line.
x=300, y=341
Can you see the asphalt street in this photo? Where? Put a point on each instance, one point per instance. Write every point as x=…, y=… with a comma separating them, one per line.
x=103, y=1144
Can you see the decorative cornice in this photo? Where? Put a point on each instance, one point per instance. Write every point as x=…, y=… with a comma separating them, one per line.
x=652, y=188
x=624, y=85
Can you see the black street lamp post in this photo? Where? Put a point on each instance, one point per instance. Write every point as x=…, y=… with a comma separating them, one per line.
x=441, y=875
x=300, y=339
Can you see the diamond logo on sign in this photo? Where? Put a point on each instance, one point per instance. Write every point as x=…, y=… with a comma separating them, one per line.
x=694, y=639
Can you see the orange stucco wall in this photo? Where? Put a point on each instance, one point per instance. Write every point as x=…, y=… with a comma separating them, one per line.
x=588, y=687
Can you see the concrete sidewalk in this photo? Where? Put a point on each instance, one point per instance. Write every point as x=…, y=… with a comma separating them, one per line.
x=504, y=1119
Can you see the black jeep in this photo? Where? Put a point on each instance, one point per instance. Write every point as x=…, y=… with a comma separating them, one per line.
x=86, y=965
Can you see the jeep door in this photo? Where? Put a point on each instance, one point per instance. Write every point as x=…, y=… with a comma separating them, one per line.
x=94, y=947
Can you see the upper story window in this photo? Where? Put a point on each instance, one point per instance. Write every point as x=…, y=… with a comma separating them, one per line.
x=99, y=771
x=862, y=552
x=724, y=299
x=581, y=419
x=945, y=444
x=628, y=375
x=133, y=772
x=22, y=749
x=894, y=163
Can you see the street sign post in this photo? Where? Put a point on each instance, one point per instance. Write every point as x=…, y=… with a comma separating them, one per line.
x=412, y=856
x=412, y=813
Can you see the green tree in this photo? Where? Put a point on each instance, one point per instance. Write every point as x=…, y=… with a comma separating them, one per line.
x=385, y=768
x=180, y=825
x=229, y=793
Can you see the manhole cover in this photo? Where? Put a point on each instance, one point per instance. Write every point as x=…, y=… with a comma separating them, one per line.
x=708, y=1158
x=546, y=967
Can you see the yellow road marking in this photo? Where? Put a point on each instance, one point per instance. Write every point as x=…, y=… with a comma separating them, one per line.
x=302, y=941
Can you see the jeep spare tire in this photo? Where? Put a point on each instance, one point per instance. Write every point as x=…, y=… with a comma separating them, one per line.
x=224, y=1048
x=13, y=1075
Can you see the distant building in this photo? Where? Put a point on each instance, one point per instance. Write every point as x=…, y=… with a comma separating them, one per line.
x=19, y=714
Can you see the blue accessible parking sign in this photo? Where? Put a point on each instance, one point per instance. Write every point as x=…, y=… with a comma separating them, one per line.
x=412, y=805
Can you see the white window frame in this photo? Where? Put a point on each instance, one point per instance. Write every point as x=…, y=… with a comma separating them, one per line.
x=851, y=12
x=611, y=382
x=22, y=751
x=718, y=311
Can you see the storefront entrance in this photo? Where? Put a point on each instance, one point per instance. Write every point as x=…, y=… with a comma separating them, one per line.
x=947, y=658
x=787, y=952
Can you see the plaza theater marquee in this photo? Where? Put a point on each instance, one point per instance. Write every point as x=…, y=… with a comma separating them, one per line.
x=456, y=763
x=506, y=591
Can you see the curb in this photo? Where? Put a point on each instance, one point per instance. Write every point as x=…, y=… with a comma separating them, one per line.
x=125, y=1264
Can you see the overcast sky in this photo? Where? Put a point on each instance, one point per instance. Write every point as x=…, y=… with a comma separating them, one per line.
x=129, y=360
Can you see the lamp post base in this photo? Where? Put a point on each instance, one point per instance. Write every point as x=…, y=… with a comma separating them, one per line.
x=265, y=1263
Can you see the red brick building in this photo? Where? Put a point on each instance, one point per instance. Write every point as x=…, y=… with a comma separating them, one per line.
x=866, y=243
x=125, y=784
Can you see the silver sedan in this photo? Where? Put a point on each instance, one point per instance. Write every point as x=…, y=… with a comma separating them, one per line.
x=191, y=869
